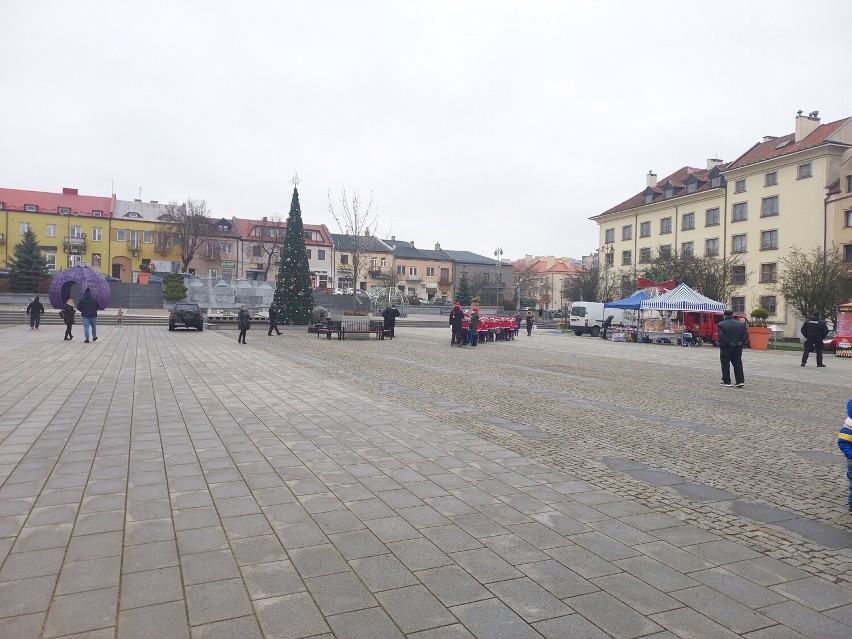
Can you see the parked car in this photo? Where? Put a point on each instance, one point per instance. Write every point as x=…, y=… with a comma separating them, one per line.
x=187, y=315
x=830, y=341
x=343, y=291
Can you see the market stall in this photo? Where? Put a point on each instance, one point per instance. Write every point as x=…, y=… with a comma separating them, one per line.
x=627, y=331
x=666, y=328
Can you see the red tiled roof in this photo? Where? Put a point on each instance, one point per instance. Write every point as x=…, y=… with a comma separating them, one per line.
x=83, y=205
x=678, y=180
x=244, y=227
x=776, y=147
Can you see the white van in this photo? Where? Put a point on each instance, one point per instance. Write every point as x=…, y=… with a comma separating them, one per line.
x=588, y=317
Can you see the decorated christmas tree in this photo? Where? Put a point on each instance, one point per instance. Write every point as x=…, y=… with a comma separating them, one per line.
x=28, y=269
x=293, y=294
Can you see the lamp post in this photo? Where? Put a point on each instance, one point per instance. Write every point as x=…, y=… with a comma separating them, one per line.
x=498, y=254
x=607, y=251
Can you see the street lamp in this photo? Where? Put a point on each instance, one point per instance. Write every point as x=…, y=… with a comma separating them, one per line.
x=498, y=254
x=607, y=251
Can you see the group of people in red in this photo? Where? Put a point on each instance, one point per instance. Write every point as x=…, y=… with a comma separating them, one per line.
x=469, y=328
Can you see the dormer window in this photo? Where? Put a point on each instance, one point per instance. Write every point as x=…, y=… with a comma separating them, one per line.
x=97, y=213
x=649, y=197
x=223, y=227
x=30, y=208
x=716, y=181
x=692, y=187
x=133, y=214
x=64, y=210
x=669, y=193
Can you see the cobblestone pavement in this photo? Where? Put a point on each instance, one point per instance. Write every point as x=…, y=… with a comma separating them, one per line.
x=172, y=485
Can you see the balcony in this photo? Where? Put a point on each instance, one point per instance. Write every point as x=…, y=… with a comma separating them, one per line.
x=445, y=281
x=414, y=278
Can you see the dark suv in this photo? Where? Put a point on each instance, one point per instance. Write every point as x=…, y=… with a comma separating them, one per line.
x=186, y=314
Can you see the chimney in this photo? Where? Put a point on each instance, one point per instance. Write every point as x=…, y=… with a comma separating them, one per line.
x=69, y=191
x=651, y=179
x=264, y=219
x=437, y=246
x=712, y=163
x=393, y=238
x=412, y=244
x=805, y=125
x=769, y=138
x=366, y=232
x=154, y=202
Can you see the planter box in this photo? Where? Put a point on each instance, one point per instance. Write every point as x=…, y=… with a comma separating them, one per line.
x=758, y=337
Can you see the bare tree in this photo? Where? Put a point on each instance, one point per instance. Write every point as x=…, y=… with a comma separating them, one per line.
x=272, y=241
x=356, y=220
x=584, y=284
x=527, y=281
x=815, y=281
x=716, y=277
x=185, y=227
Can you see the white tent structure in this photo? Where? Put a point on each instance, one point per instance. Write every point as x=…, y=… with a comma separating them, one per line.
x=682, y=298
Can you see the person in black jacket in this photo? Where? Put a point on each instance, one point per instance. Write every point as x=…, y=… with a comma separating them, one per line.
x=273, y=319
x=35, y=310
x=243, y=323
x=530, y=323
x=456, y=317
x=732, y=336
x=88, y=307
x=68, y=312
x=814, y=331
x=605, y=326
x=390, y=314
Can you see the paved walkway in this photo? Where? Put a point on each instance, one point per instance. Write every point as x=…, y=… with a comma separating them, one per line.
x=172, y=485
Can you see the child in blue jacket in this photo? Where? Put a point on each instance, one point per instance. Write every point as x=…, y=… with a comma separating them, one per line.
x=844, y=441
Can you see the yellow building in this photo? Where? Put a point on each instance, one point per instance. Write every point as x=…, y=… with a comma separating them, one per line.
x=768, y=200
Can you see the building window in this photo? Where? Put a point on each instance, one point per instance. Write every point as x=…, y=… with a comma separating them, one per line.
x=610, y=259
x=97, y=234
x=665, y=251
x=30, y=208
x=687, y=249
x=738, y=304
x=692, y=187
x=739, y=244
x=649, y=197
x=412, y=270
x=769, y=272
x=769, y=240
x=384, y=262
x=321, y=255
x=740, y=186
x=669, y=193
x=344, y=259
x=769, y=206
x=847, y=217
x=711, y=247
x=805, y=170
x=63, y=210
x=25, y=226
x=627, y=232
x=688, y=221
x=848, y=186
x=665, y=225
x=626, y=258
x=609, y=236
x=400, y=269
x=771, y=178
x=740, y=213
x=50, y=230
x=210, y=250
x=147, y=237
x=738, y=274
x=309, y=235
x=711, y=217
x=50, y=258
x=716, y=182
x=430, y=271
x=120, y=235
x=645, y=229
x=76, y=231
x=308, y=253
x=97, y=213
x=256, y=250
x=847, y=252
x=227, y=249
x=769, y=303
x=96, y=259
x=644, y=255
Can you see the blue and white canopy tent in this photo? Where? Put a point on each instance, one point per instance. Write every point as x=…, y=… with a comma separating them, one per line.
x=682, y=298
x=629, y=303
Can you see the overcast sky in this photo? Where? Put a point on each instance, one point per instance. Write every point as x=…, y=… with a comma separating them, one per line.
x=474, y=124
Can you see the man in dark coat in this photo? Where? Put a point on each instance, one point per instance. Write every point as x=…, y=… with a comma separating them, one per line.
x=605, y=327
x=88, y=308
x=390, y=314
x=35, y=310
x=456, y=317
x=732, y=337
x=814, y=331
x=273, y=319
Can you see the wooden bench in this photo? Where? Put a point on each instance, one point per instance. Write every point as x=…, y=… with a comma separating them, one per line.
x=374, y=327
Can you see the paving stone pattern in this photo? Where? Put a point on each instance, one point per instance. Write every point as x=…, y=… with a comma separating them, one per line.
x=179, y=485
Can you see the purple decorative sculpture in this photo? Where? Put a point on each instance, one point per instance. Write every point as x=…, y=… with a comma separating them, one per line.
x=84, y=277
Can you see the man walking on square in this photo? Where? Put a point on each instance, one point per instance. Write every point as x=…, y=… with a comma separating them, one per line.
x=35, y=310
x=732, y=337
x=273, y=319
x=390, y=314
x=88, y=308
x=814, y=331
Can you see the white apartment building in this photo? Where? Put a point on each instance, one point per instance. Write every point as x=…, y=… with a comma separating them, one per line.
x=783, y=192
